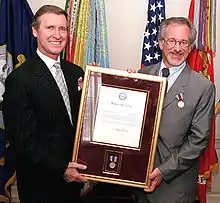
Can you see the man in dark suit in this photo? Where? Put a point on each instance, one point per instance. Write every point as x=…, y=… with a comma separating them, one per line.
x=40, y=110
x=185, y=125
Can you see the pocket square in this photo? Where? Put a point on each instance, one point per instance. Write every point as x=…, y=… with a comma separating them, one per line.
x=80, y=83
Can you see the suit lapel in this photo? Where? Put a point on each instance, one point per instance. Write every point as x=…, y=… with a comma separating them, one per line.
x=45, y=77
x=43, y=74
x=177, y=87
x=155, y=69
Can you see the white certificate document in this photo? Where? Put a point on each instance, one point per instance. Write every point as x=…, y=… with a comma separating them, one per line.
x=119, y=116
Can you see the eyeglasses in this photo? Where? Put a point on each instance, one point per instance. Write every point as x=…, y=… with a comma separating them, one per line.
x=172, y=42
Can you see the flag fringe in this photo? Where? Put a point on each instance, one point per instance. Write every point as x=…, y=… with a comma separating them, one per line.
x=214, y=169
x=217, y=108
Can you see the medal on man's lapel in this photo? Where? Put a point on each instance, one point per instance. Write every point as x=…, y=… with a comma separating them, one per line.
x=180, y=103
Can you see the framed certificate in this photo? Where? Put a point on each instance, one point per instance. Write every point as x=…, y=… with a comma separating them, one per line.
x=118, y=125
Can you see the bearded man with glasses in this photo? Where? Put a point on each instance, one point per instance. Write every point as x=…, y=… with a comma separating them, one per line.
x=185, y=126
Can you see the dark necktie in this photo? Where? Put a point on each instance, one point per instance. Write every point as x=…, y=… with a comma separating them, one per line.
x=165, y=72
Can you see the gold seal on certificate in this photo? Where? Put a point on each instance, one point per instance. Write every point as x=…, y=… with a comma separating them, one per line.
x=122, y=95
x=118, y=124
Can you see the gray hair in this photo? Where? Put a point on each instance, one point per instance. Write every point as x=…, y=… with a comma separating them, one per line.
x=180, y=21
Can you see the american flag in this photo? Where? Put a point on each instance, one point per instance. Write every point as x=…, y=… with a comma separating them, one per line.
x=151, y=53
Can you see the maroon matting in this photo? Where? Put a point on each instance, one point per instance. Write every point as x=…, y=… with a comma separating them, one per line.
x=117, y=162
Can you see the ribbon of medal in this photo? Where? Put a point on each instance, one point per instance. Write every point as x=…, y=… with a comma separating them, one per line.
x=180, y=103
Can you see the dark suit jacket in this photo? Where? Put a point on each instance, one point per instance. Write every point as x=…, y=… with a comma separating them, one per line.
x=39, y=130
x=183, y=136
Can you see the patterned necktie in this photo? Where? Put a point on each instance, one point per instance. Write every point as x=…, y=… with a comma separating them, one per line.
x=63, y=88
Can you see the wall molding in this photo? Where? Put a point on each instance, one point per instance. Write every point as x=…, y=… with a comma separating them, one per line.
x=217, y=143
x=213, y=197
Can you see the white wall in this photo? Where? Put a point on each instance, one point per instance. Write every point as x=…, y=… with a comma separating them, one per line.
x=126, y=25
x=36, y=4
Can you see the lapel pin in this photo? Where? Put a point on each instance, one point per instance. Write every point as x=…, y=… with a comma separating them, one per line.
x=180, y=103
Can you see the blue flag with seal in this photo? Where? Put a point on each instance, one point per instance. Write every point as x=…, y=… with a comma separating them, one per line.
x=16, y=46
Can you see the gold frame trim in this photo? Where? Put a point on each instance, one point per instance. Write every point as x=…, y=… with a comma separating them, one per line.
x=161, y=95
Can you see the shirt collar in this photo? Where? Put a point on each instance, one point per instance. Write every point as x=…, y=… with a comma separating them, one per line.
x=173, y=69
x=47, y=60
